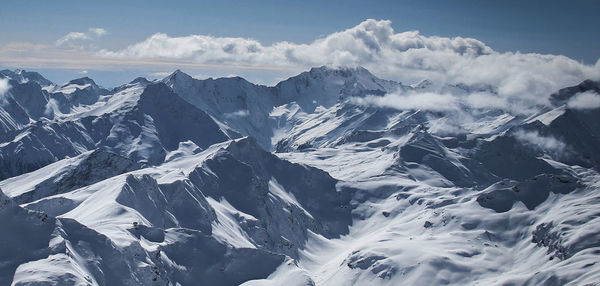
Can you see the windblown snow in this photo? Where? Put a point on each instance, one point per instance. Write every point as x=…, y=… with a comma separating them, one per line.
x=331, y=177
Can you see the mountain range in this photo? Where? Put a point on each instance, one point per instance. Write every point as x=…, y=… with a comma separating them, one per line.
x=331, y=177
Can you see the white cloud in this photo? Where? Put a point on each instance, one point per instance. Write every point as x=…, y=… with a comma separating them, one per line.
x=486, y=100
x=546, y=143
x=521, y=80
x=74, y=39
x=160, y=74
x=407, y=56
x=238, y=113
x=369, y=41
x=441, y=101
x=51, y=108
x=98, y=31
x=585, y=100
x=448, y=125
x=412, y=100
x=72, y=36
x=4, y=87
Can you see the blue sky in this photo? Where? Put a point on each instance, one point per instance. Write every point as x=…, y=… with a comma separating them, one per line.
x=548, y=27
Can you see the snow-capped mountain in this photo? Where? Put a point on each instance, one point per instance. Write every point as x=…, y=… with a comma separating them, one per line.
x=331, y=177
x=141, y=122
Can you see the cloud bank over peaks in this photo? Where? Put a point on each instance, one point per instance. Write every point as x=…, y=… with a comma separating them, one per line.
x=369, y=42
x=406, y=56
x=456, y=101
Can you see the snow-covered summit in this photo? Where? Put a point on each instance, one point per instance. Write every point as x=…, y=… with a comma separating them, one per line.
x=179, y=77
x=326, y=86
x=81, y=81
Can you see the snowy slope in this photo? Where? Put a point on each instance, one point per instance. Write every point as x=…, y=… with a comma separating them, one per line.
x=235, y=201
x=331, y=177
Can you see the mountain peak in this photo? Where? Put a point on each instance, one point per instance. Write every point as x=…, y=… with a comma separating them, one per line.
x=177, y=76
x=22, y=75
x=179, y=73
x=563, y=95
x=327, y=85
x=82, y=81
x=422, y=84
x=141, y=80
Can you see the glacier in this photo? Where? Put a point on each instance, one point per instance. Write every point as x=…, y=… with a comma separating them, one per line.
x=330, y=177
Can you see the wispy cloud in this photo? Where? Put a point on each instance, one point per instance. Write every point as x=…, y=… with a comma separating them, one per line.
x=4, y=87
x=77, y=38
x=238, y=113
x=446, y=101
x=72, y=36
x=411, y=100
x=549, y=144
x=485, y=100
x=98, y=31
x=585, y=100
x=159, y=74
